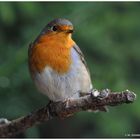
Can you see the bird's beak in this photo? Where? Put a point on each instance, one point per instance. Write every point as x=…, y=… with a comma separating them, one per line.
x=70, y=31
x=66, y=29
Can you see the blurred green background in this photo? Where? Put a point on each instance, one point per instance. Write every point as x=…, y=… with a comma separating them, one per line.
x=108, y=34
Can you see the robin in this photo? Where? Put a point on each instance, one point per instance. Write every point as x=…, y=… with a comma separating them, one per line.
x=56, y=63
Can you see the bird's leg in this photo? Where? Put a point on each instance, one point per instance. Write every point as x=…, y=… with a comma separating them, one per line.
x=67, y=102
x=100, y=95
x=65, y=114
x=53, y=109
x=50, y=114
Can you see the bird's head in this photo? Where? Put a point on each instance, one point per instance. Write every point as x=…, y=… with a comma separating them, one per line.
x=59, y=31
x=59, y=26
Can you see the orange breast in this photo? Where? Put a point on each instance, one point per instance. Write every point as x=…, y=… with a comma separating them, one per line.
x=52, y=50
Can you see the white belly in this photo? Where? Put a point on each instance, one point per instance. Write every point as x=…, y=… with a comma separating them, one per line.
x=60, y=87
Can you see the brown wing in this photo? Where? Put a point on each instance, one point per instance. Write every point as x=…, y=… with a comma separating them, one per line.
x=81, y=56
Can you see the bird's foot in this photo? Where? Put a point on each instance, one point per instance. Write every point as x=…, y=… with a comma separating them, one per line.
x=100, y=94
x=67, y=102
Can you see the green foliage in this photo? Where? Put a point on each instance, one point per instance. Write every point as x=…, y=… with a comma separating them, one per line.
x=107, y=33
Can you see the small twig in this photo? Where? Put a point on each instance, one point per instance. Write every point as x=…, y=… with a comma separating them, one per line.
x=65, y=109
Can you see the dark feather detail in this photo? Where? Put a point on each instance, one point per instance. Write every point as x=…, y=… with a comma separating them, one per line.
x=81, y=56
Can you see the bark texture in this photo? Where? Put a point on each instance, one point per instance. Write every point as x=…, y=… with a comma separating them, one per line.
x=65, y=109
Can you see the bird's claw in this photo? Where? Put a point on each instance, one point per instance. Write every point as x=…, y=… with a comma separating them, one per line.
x=67, y=102
x=100, y=94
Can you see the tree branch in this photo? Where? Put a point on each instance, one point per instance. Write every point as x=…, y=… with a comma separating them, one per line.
x=66, y=109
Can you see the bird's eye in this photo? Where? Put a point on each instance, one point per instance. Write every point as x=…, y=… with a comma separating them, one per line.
x=54, y=28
